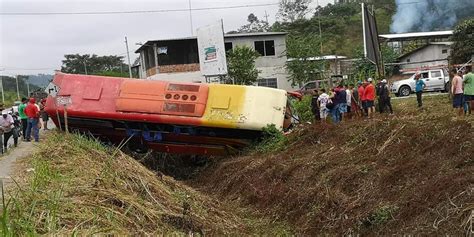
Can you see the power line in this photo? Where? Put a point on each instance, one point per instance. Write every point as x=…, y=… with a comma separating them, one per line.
x=131, y=12
x=26, y=69
x=417, y=2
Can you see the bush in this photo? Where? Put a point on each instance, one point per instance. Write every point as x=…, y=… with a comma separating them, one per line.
x=303, y=109
x=272, y=140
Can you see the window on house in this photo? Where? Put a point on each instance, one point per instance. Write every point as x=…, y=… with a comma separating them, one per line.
x=228, y=46
x=444, y=51
x=268, y=82
x=265, y=48
x=408, y=60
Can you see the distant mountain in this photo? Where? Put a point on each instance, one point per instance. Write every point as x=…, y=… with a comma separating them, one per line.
x=41, y=80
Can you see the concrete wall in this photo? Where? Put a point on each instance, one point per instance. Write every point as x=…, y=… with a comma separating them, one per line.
x=269, y=66
x=264, y=61
x=430, y=52
x=265, y=72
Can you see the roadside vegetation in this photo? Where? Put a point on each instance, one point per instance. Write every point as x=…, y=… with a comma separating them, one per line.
x=76, y=186
x=408, y=173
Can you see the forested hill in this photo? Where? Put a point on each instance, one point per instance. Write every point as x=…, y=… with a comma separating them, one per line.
x=341, y=25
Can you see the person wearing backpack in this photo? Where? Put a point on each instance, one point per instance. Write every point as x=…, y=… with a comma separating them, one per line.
x=323, y=103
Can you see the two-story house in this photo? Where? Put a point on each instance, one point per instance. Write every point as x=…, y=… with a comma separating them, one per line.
x=178, y=59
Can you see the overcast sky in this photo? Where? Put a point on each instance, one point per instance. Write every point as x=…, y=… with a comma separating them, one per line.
x=36, y=44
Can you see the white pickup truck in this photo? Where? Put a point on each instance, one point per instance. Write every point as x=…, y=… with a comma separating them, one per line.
x=435, y=80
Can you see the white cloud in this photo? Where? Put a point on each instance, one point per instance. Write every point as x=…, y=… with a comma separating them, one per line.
x=33, y=42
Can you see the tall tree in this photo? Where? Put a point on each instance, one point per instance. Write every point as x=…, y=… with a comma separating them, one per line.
x=93, y=64
x=254, y=25
x=301, y=65
x=241, y=66
x=292, y=10
x=463, y=38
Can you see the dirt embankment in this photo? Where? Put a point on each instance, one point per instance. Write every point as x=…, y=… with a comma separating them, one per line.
x=77, y=186
x=409, y=174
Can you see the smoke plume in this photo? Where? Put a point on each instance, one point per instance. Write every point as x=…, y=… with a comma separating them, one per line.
x=429, y=15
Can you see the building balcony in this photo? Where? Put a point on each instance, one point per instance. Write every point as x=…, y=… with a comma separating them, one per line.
x=177, y=68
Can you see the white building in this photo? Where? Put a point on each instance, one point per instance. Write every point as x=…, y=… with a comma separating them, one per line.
x=434, y=54
x=178, y=59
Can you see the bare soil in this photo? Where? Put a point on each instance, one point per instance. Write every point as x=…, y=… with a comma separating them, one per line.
x=412, y=173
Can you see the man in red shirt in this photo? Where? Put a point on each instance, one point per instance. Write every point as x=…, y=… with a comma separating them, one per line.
x=32, y=112
x=370, y=97
x=361, y=91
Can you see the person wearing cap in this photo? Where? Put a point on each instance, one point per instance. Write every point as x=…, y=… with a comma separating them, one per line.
x=6, y=127
x=32, y=111
x=370, y=97
x=419, y=87
x=385, y=97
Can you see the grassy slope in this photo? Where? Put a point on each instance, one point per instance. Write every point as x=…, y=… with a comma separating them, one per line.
x=412, y=173
x=80, y=187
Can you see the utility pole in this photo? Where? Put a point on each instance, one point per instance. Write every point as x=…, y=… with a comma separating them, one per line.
x=266, y=16
x=3, y=92
x=1, y=85
x=191, y=18
x=28, y=87
x=85, y=66
x=128, y=56
x=17, y=89
x=320, y=31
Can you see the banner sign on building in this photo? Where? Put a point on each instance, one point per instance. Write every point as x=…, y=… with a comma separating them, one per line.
x=210, y=54
x=211, y=48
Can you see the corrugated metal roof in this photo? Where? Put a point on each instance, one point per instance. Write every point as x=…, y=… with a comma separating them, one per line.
x=319, y=58
x=253, y=34
x=417, y=35
x=149, y=42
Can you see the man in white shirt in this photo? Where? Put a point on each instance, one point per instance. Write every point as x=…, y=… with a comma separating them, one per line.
x=323, y=100
x=6, y=127
x=348, y=101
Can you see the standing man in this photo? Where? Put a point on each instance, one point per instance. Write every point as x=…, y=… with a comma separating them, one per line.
x=355, y=100
x=457, y=92
x=370, y=97
x=6, y=125
x=323, y=100
x=379, y=91
x=340, y=102
x=44, y=115
x=314, y=106
x=469, y=89
x=419, y=87
x=361, y=91
x=386, y=97
x=348, y=101
x=23, y=117
x=32, y=111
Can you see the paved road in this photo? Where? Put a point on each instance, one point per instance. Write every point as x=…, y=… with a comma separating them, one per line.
x=8, y=160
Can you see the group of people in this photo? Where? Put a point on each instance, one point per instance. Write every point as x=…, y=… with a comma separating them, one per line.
x=26, y=122
x=462, y=89
x=347, y=102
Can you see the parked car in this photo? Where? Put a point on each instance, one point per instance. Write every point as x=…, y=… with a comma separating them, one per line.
x=435, y=80
x=310, y=86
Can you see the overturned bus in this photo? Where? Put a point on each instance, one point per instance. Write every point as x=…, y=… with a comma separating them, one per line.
x=185, y=118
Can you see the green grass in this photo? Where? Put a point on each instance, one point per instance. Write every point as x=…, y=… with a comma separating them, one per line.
x=79, y=187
